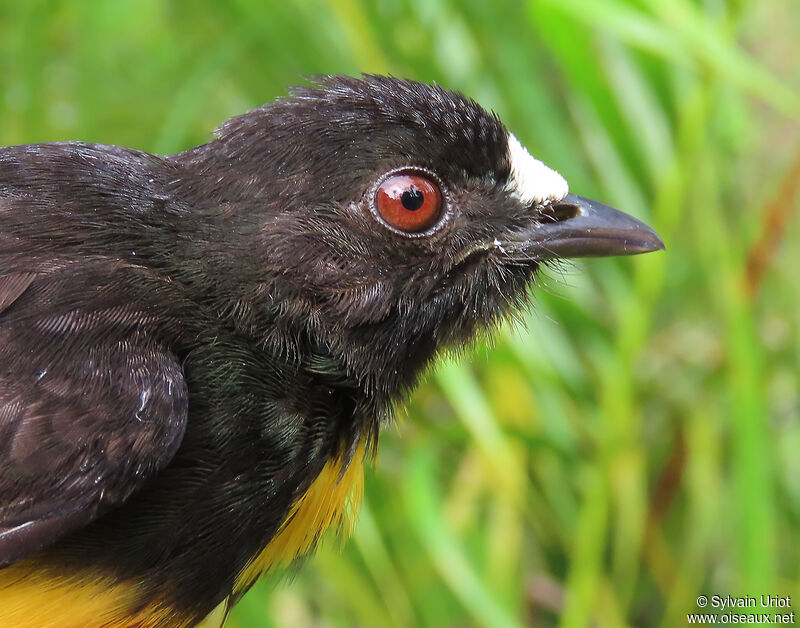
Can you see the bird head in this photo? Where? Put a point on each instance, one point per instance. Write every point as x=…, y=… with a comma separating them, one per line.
x=389, y=218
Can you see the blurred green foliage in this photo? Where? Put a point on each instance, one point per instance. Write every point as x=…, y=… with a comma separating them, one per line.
x=637, y=443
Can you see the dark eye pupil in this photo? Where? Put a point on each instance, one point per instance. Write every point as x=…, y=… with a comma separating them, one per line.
x=412, y=199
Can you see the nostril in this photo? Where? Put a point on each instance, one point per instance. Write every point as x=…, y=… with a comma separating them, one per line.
x=559, y=212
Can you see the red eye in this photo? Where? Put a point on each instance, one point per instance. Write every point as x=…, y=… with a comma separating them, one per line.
x=409, y=202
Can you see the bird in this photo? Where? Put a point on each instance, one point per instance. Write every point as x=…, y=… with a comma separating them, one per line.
x=198, y=350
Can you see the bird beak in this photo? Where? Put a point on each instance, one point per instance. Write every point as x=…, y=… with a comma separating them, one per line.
x=579, y=227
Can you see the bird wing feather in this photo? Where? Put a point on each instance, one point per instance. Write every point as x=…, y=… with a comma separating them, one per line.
x=91, y=404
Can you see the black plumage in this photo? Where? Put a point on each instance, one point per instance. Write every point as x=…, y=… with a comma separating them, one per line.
x=185, y=341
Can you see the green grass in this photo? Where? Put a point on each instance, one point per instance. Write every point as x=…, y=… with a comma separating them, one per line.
x=637, y=443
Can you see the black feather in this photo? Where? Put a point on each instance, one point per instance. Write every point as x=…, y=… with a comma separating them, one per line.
x=186, y=340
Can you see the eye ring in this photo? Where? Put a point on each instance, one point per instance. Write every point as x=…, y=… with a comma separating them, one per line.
x=410, y=202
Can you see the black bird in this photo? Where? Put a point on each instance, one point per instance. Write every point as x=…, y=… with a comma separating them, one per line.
x=197, y=351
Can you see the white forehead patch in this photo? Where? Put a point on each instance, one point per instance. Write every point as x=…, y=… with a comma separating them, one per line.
x=531, y=181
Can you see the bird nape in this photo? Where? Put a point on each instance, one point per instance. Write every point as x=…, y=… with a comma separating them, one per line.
x=197, y=351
